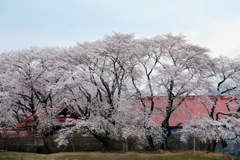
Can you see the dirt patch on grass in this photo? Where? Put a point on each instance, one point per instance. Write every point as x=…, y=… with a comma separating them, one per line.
x=138, y=154
x=166, y=155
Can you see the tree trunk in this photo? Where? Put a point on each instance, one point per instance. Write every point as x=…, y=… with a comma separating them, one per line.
x=46, y=146
x=212, y=146
x=164, y=144
x=104, y=139
x=167, y=131
x=224, y=143
x=150, y=143
x=105, y=143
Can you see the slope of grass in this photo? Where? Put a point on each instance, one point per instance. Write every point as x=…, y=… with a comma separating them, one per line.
x=186, y=155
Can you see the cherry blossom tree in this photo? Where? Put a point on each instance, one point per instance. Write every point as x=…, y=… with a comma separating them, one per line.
x=207, y=129
x=113, y=84
x=180, y=74
x=97, y=85
x=143, y=68
x=171, y=68
x=25, y=81
x=7, y=116
x=223, y=82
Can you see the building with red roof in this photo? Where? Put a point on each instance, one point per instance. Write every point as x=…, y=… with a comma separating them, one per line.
x=27, y=127
x=190, y=107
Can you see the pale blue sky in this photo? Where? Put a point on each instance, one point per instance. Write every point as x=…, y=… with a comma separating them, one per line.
x=211, y=23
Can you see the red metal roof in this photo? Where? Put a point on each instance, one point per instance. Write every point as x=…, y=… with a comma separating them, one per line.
x=192, y=106
x=11, y=133
x=28, y=122
x=55, y=110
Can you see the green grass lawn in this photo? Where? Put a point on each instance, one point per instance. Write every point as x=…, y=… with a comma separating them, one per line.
x=186, y=155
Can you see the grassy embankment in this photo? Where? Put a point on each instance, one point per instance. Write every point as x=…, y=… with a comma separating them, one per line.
x=185, y=155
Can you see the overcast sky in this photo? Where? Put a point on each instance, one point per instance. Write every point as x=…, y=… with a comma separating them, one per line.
x=214, y=24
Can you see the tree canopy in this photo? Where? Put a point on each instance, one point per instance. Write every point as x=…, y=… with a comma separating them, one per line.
x=107, y=82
